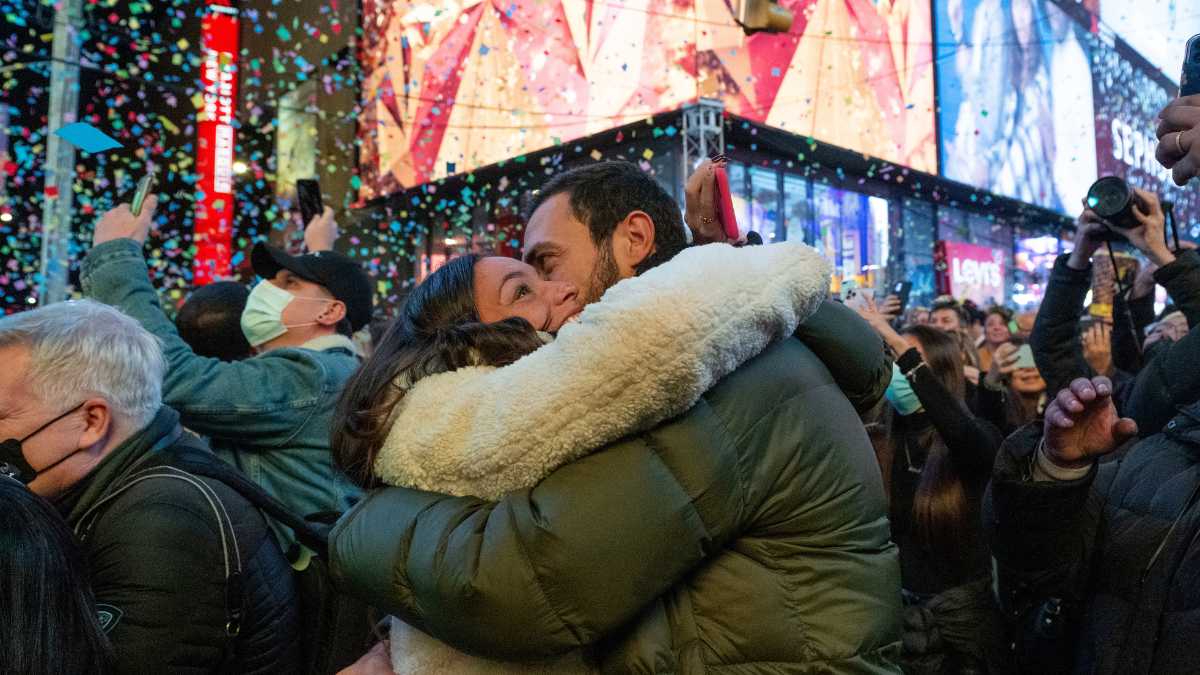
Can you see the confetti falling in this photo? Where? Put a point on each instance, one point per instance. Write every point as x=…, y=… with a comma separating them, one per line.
x=309, y=108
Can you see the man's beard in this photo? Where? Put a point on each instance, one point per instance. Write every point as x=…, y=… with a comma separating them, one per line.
x=605, y=273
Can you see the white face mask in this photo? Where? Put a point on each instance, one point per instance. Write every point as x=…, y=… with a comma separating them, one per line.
x=262, y=320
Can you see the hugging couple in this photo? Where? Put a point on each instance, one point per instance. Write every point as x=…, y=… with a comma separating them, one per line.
x=623, y=454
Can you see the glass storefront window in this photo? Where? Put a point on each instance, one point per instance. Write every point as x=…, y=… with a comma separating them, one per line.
x=1032, y=264
x=852, y=233
x=916, y=219
x=764, y=204
x=797, y=209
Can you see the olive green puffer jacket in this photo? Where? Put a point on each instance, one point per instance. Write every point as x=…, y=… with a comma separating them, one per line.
x=748, y=535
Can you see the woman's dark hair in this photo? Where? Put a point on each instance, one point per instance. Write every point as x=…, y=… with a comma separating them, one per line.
x=50, y=623
x=940, y=504
x=438, y=330
x=1001, y=311
x=942, y=355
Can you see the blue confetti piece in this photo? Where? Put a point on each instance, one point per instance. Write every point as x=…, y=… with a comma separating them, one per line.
x=87, y=137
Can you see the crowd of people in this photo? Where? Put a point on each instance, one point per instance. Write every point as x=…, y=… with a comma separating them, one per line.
x=638, y=448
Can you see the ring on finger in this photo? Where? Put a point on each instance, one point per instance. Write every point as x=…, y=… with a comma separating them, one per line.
x=1179, y=142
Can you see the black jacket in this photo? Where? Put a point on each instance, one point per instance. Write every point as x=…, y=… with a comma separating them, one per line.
x=1093, y=565
x=1169, y=380
x=158, y=567
x=972, y=444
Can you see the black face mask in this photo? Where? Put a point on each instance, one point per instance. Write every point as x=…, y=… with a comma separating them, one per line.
x=12, y=460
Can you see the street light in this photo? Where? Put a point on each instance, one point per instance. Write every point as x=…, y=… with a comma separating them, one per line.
x=240, y=167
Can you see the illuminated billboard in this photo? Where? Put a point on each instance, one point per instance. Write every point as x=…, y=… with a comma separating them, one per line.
x=970, y=272
x=453, y=85
x=1015, y=90
x=1128, y=100
x=1156, y=29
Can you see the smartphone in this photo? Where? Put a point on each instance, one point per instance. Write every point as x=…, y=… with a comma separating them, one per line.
x=308, y=194
x=145, y=185
x=1189, y=82
x=849, y=290
x=902, y=289
x=1025, y=357
x=725, y=215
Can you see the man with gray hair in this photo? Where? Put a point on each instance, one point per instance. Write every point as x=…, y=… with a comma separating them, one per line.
x=185, y=573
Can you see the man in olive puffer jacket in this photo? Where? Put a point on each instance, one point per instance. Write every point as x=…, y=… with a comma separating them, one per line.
x=748, y=535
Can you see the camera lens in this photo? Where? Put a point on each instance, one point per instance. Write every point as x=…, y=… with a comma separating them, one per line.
x=1112, y=200
x=1108, y=196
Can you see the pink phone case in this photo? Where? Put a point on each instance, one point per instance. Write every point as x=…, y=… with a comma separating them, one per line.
x=725, y=214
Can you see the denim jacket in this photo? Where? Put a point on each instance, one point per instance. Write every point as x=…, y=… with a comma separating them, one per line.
x=269, y=415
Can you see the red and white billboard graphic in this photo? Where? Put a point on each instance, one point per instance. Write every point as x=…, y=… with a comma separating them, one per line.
x=970, y=272
x=214, y=161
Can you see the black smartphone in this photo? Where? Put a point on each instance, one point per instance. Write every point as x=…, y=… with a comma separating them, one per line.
x=902, y=289
x=308, y=194
x=1189, y=82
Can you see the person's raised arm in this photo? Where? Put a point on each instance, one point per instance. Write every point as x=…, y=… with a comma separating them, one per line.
x=852, y=351
x=644, y=353
x=971, y=441
x=322, y=233
x=1042, y=512
x=1055, y=341
x=209, y=393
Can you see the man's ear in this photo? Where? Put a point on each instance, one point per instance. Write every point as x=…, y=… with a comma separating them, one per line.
x=633, y=241
x=97, y=422
x=332, y=314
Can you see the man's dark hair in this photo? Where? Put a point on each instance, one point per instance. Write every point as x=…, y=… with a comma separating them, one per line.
x=210, y=321
x=603, y=194
x=946, y=302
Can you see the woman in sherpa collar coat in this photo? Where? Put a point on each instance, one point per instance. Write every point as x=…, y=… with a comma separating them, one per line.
x=485, y=410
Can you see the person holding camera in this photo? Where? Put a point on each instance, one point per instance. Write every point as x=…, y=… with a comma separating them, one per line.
x=1097, y=552
x=1168, y=379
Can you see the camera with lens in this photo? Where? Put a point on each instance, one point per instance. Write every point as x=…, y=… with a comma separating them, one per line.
x=1112, y=199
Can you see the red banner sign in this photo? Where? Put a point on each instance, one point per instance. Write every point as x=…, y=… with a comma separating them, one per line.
x=970, y=272
x=214, y=159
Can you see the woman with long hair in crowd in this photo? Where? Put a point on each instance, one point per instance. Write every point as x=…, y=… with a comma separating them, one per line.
x=50, y=624
x=936, y=458
x=469, y=394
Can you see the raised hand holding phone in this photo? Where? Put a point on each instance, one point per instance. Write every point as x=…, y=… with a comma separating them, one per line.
x=725, y=214
x=119, y=222
x=321, y=232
